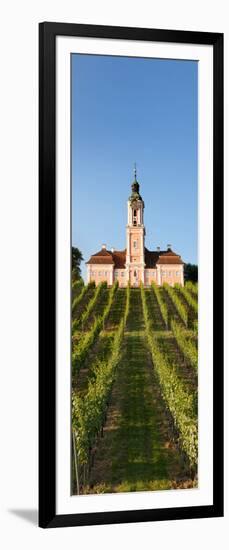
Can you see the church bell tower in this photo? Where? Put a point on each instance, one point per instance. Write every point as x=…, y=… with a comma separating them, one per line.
x=135, y=236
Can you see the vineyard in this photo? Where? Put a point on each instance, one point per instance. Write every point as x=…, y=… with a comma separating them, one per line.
x=134, y=388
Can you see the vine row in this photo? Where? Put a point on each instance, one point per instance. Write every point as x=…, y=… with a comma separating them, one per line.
x=180, y=307
x=192, y=302
x=180, y=402
x=185, y=344
x=193, y=287
x=84, y=345
x=83, y=318
x=78, y=298
x=162, y=305
x=89, y=411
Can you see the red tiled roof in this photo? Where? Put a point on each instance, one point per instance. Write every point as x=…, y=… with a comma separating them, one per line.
x=119, y=257
x=102, y=257
x=152, y=258
x=100, y=260
x=169, y=257
x=103, y=252
x=168, y=252
x=170, y=260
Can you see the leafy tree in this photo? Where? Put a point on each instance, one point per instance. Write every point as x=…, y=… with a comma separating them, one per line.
x=77, y=258
x=191, y=272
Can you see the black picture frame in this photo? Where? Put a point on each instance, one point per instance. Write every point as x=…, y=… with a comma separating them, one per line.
x=47, y=273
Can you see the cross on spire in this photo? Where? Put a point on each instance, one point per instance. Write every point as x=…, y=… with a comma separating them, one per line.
x=135, y=172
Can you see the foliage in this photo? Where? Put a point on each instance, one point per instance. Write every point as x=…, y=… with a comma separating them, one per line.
x=191, y=272
x=84, y=345
x=88, y=412
x=83, y=318
x=77, y=258
x=79, y=297
x=180, y=402
x=185, y=344
x=127, y=307
x=193, y=287
x=195, y=327
x=77, y=283
x=180, y=307
x=192, y=302
x=162, y=305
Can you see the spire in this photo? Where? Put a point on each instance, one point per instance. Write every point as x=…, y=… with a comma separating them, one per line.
x=135, y=172
x=135, y=195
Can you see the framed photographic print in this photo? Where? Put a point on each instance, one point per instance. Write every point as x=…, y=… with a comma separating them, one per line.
x=131, y=275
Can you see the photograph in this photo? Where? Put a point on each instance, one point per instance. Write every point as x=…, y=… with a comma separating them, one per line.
x=134, y=274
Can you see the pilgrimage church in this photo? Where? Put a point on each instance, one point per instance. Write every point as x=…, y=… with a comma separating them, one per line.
x=135, y=264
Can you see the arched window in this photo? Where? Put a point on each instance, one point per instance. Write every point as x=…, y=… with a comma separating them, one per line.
x=134, y=217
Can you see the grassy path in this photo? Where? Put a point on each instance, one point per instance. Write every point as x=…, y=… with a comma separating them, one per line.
x=138, y=450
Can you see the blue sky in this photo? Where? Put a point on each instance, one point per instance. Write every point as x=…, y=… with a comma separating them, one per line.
x=127, y=110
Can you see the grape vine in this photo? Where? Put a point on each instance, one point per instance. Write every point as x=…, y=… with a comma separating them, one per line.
x=180, y=402
x=180, y=307
x=162, y=305
x=84, y=345
x=185, y=344
x=192, y=302
x=89, y=411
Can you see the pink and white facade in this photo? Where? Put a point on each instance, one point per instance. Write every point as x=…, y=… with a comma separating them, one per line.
x=135, y=264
